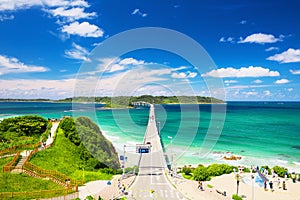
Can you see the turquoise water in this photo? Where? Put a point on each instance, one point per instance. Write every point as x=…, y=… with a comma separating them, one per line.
x=262, y=133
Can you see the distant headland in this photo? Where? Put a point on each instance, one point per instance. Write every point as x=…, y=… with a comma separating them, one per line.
x=127, y=101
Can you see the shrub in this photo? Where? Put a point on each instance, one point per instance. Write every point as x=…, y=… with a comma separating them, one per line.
x=267, y=168
x=236, y=197
x=219, y=169
x=246, y=169
x=201, y=173
x=186, y=170
x=89, y=197
x=298, y=177
x=108, y=171
x=279, y=171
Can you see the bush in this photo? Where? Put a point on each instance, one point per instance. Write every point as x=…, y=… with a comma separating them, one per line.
x=219, y=169
x=201, y=173
x=186, y=170
x=90, y=197
x=267, y=168
x=236, y=197
x=246, y=169
x=298, y=177
x=279, y=171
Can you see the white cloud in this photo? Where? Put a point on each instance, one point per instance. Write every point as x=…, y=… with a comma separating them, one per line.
x=243, y=22
x=6, y=17
x=272, y=49
x=66, y=3
x=179, y=68
x=289, y=56
x=184, y=75
x=261, y=38
x=282, y=81
x=24, y=88
x=13, y=65
x=230, y=81
x=18, y=4
x=71, y=14
x=267, y=93
x=84, y=29
x=26, y=4
x=290, y=89
x=229, y=39
x=138, y=12
x=116, y=67
x=131, y=61
x=295, y=72
x=250, y=93
x=242, y=72
x=78, y=53
x=257, y=81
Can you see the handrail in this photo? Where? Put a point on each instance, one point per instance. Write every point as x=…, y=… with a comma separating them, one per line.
x=17, y=147
x=52, y=174
x=9, y=167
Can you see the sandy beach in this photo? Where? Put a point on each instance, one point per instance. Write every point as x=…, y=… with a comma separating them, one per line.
x=228, y=184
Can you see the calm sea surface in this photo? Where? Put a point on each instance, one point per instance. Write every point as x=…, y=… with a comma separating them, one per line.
x=261, y=132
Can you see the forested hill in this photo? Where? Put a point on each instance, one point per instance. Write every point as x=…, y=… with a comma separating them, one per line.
x=127, y=100
x=95, y=149
x=22, y=130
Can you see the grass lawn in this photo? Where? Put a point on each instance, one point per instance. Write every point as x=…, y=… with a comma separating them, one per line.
x=10, y=182
x=4, y=161
x=64, y=157
x=189, y=176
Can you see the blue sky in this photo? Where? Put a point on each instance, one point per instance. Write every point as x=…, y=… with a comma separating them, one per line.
x=254, y=44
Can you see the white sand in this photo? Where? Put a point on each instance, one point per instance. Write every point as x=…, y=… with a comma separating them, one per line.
x=228, y=183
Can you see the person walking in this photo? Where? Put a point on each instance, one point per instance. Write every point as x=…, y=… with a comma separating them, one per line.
x=284, y=185
x=271, y=186
x=265, y=185
x=200, y=185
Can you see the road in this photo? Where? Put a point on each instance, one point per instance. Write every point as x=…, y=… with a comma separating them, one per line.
x=152, y=169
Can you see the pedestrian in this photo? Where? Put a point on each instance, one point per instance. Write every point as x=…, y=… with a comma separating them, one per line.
x=278, y=183
x=271, y=186
x=265, y=185
x=285, y=174
x=293, y=176
x=283, y=185
x=200, y=185
x=123, y=189
x=119, y=184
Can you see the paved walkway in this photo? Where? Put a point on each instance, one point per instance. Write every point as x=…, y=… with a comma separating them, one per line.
x=104, y=190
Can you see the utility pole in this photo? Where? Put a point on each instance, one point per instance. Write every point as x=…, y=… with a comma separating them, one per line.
x=171, y=138
x=123, y=174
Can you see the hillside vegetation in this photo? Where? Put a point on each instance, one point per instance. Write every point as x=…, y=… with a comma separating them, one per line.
x=21, y=130
x=126, y=101
x=71, y=152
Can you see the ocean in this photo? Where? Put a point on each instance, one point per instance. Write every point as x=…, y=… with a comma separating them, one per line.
x=262, y=133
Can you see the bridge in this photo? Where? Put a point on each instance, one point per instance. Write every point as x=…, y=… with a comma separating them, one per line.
x=140, y=104
x=151, y=182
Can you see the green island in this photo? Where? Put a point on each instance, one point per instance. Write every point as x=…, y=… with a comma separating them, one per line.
x=127, y=101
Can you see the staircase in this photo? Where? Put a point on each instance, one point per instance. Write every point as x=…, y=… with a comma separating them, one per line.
x=18, y=168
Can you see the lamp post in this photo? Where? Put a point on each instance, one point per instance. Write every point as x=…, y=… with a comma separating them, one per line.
x=237, y=183
x=252, y=177
x=123, y=161
x=171, y=138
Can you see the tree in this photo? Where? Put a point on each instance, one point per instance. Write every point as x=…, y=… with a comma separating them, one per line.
x=200, y=173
